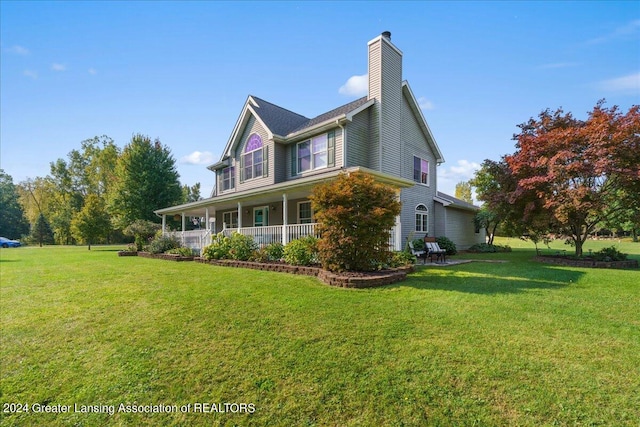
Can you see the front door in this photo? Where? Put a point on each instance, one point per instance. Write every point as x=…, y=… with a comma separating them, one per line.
x=261, y=216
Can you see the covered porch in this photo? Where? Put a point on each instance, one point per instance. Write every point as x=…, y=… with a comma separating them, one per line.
x=278, y=213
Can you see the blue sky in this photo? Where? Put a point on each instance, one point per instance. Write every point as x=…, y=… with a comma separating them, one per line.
x=181, y=71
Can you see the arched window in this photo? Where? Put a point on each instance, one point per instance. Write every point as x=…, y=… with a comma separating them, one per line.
x=254, y=158
x=422, y=219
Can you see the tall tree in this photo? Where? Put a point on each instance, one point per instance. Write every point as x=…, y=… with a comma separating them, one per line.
x=146, y=179
x=463, y=191
x=191, y=194
x=13, y=223
x=92, y=223
x=575, y=169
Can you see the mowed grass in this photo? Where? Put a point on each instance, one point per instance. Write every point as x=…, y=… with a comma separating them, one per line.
x=484, y=343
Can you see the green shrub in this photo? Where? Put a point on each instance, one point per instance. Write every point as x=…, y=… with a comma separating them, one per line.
x=402, y=259
x=218, y=249
x=182, y=251
x=162, y=244
x=302, y=251
x=609, y=254
x=487, y=248
x=446, y=244
x=275, y=251
x=241, y=247
x=418, y=244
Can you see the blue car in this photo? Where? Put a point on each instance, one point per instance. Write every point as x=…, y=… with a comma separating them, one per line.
x=8, y=243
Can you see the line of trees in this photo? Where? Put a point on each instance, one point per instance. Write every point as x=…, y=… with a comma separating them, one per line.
x=567, y=177
x=93, y=195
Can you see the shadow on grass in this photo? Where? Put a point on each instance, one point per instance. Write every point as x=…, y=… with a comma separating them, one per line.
x=489, y=278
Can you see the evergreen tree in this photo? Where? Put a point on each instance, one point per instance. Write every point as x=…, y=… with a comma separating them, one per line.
x=41, y=232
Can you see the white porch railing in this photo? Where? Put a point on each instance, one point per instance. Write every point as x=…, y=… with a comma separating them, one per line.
x=198, y=239
x=193, y=239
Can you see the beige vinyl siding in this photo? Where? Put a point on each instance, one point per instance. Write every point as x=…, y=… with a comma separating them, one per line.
x=253, y=126
x=460, y=228
x=391, y=108
x=280, y=163
x=358, y=141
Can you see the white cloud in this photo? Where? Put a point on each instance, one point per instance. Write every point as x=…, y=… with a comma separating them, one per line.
x=30, y=73
x=58, y=67
x=355, y=86
x=626, y=84
x=18, y=50
x=464, y=170
x=425, y=104
x=198, y=158
x=622, y=32
x=93, y=71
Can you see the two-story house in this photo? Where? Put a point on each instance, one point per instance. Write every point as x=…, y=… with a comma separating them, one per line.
x=274, y=157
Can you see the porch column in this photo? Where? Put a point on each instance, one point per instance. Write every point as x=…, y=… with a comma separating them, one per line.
x=398, y=237
x=206, y=218
x=184, y=226
x=164, y=224
x=239, y=214
x=285, y=222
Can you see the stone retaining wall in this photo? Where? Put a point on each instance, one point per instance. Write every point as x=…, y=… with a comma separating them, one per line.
x=587, y=262
x=348, y=280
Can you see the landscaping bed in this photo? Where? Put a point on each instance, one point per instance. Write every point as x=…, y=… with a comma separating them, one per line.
x=588, y=263
x=168, y=257
x=343, y=280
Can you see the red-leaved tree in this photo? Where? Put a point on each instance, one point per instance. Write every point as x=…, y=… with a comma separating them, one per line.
x=576, y=170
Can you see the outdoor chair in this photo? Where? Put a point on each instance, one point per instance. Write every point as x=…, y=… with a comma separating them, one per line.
x=420, y=254
x=433, y=249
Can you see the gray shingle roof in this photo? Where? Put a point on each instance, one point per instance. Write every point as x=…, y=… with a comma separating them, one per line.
x=284, y=122
x=456, y=202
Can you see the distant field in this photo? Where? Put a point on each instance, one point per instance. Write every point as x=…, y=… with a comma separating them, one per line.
x=485, y=343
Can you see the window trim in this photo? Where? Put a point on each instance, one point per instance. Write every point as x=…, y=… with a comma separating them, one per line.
x=421, y=217
x=329, y=151
x=299, y=218
x=231, y=179
x=231, y=225
x=264, y=164
x=418, y=173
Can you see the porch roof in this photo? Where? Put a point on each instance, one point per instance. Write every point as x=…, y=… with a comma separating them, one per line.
x=298, y=188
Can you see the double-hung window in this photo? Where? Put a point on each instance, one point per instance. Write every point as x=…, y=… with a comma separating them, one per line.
x=227, y=179
x=315, y=153
x=421, y=170
x=230, y=219
x=305, y=214
x=254, y=159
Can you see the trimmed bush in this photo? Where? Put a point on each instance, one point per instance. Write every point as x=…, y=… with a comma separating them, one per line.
x=446, y=244
x=302, y=251
x=162, y=244
x=355, y=214
x=486, y=248
x=609, y=254
x=218, y=249
x=241, y=247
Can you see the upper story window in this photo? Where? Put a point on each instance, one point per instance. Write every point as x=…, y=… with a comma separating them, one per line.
x=254, y=159
x=421, y=170
x=227, y=179
x=315, y=153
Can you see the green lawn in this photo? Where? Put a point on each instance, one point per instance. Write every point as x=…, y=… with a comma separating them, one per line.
x=484, y=343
